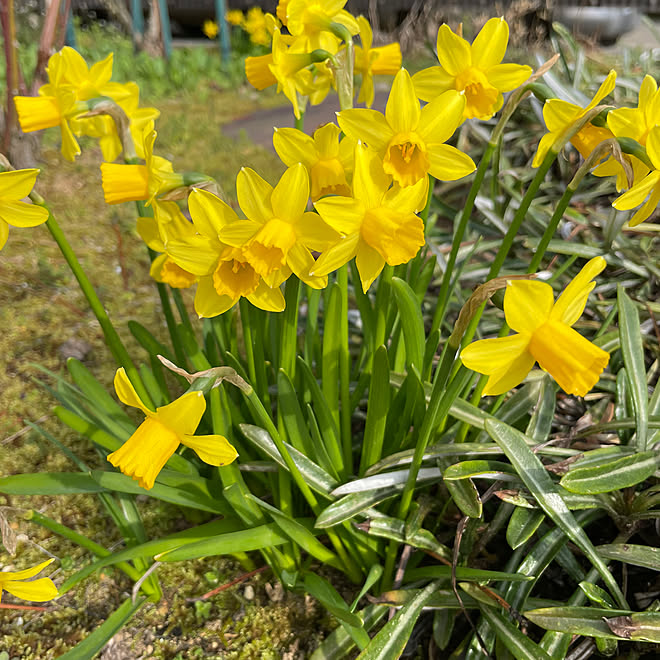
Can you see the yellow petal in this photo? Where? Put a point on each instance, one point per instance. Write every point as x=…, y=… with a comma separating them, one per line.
x=183, y=414
x=638, y=193
x=559, y=114
x=254, y=195
x=301, y=262
x=447, y=163
x=369, y=264
x=454, y=52
x=25, y=574
x=342, y=214
x=294, y=146
x=267, y=298
x=337, y=255
x=369, y=179
x=387, y=60
x=149, y=232
x=605, y=88
x=212, y=449
x=410, y=199
x=37, y=112
x=22, y=214
x=441, y=117
x=514, y=374
x=570, y=305
x=124, y=183
x=209, y=213
x=545, y=144
x=4, y=233
x=145, y=453
x=70, y=147
x=291, y=194
x=489, y=46
x=368, y=126
x=573, y=361
x=430, y=83
x=506, y=77
x=38, y=591
x=197, y=254
x=366, y=33
x=17, y=184
x=126, y=392
x=326, y=141
x=527, y=304
x=207, y=301
x=239, y=233
x=653, y=146
x=402, y=109
x=490, y=356
x=647, y=208
x=314, y=233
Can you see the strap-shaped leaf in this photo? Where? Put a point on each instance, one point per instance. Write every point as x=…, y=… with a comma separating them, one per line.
x=410, y=315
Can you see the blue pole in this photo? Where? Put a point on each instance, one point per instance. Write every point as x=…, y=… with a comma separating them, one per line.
x=225, y=48
x=165, y=29
x=70, y=34
x=138, y=19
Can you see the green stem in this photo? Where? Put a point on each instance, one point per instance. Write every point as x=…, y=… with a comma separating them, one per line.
x=113, y=340
x=382, y=307
x=289, y=331
x=344, y=370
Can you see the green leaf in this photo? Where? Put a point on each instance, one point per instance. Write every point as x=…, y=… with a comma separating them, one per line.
x=149, y=342
x=96, y=640
x=292, y=416
x=392, y=638
x=497, y=470
x=637, y=555
x=587, y=621
x=463, y=573
x=328, y=596
x=540, y=423
x=410, y=314
x=377, y=408
x=633, y=358
x=538, y=481
x=640, y=627
x=521, y=646
x=50, y=483
x=615, y=475
x=257, y=538
x=350, y=505
x=596, y=595
x=466, y=497
x=522, y=525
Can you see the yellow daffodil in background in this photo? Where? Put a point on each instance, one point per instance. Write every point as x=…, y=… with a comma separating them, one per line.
x=168, y=223
x=15, y=185
x=278, y=232
x=476, y=70
x=648, y=188
x=326, y=159
x=379, y=223
x=131, y=183
x=233, y=17
x=256, y=26
x=559, y=115
x=145, y=453
x=210, y=28
x=225, y=275
x=544, y=335
x=634, y=123
x=411, y=140
x=310, y=21
x=370, y=62
x=18, y=584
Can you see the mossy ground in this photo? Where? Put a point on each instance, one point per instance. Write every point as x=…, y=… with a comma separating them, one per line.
x=44, y=318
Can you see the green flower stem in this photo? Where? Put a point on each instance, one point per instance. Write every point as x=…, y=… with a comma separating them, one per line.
x=289, y=330
x=495, y=178
x=181, y=308
x=424, y=214
x=267, y=423
x=84, y=542
x=112, y=338
x=246, y=326
x=459, y=232
x=383, y=296
x=299, y=122
x=344, y=370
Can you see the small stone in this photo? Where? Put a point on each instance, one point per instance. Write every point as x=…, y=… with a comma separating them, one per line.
x=248, y=594
x=75, y=348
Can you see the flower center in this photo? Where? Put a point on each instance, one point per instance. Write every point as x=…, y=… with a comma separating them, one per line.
x=480, y=96
x=235, y=278
x=268, y=250
x=406, y=159
x=329, y=178
x=178, y=278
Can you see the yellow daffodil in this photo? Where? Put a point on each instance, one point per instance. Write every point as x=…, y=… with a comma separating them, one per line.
x=278, y=232
x=18, y=584
x=145, y=453
x=315, y=81
x=224, y=273
x=559, y=115
x=411, y=140
x=379, y=224
x=370, y=62
x=648, y=188
x=131, y=183
x=258, y=71
x=634, y=123
x=475, y=69
x=233, y=17
x=312, y=20
x=168, y=223
x=544, y=335
x=256, y=25
x=326, y=159
x=15, y=185
x=210, y=28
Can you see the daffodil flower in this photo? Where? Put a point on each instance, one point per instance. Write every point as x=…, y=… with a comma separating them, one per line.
x=370, y=62
x=326, y=159
x=15, y=185
x=132, y=183
x=379, y=223
x=648, y=188
x=311, y=21
x=168, y=223
x=634, y=123
x=544, y=335
x=278, y=231
x=411, y=140
x=145, y=453
x=474, y=69
x=18, y=584
x=559, y=115
x=225, y=275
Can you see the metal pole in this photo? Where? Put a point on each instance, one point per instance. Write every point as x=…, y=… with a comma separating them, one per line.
x=225, y=47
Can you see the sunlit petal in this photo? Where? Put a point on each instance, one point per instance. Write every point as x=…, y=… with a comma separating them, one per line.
x=212, y=449
x=527, y=304
x=402, y=110
x=571, y=303
x=126, y=392
x=489, y=46
x=454, y=52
